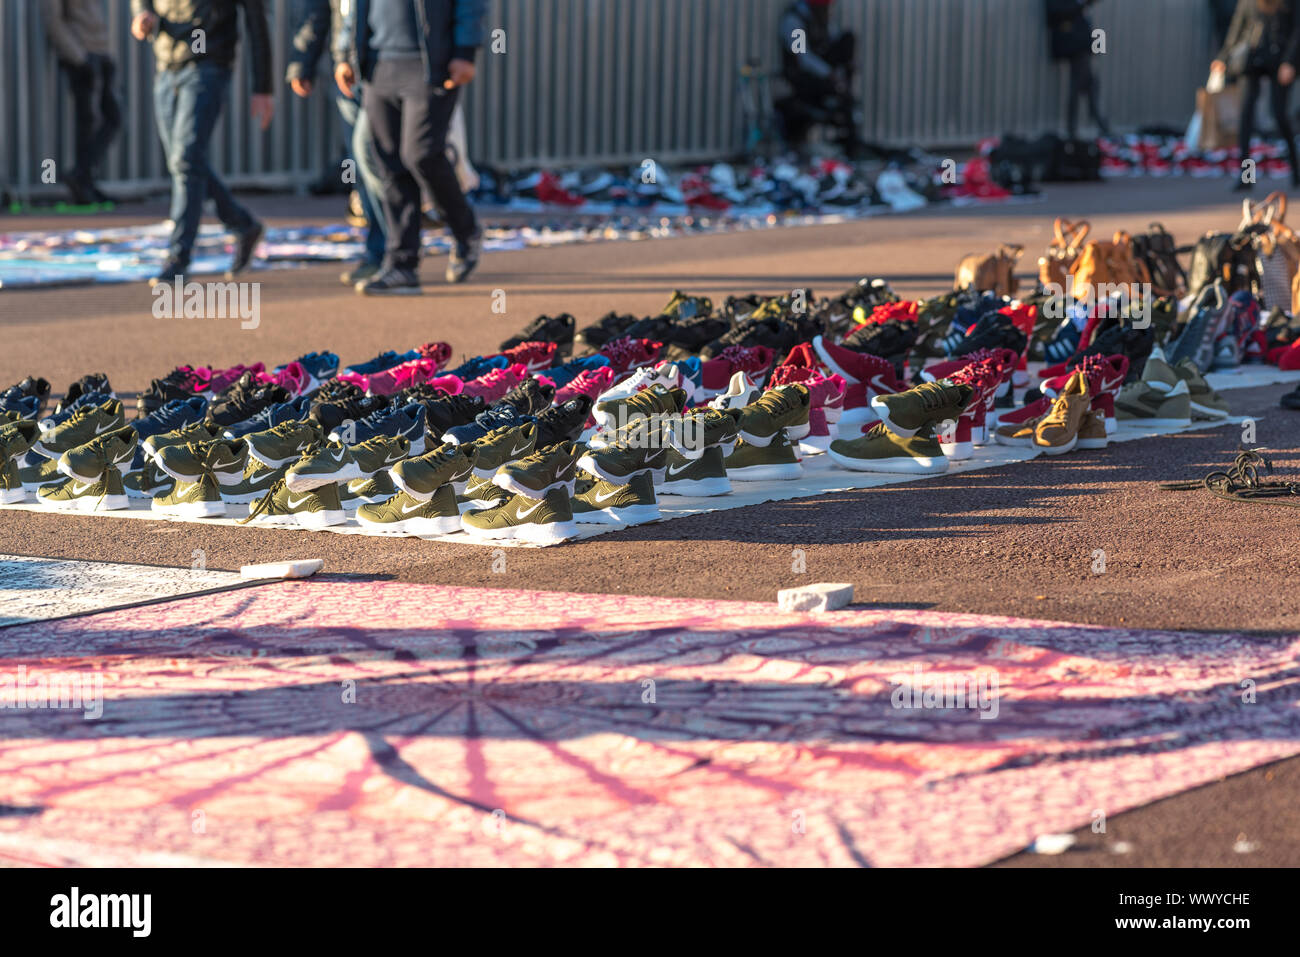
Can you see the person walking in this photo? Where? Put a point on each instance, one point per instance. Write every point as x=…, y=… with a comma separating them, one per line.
x=413, y=56
x=1071, y=43
x=817, y=65
x=1263, y=42
x=194, y=43
x=79, y=35
x=321, y=18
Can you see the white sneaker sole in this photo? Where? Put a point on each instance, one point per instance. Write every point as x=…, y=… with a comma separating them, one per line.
x=107, y=503
x=305, y=483
x=1057, y=449
x=444, y=525
x=549, y=534
x=697, y=488
x=786, y=472
x=1209, y=413
x=958, y=451
x=588, y=464
x=906, y=466
x=315, y=521
x=1026, y=443
x=505, y=481
x=12, y=496
x=1158, y=423
x=815, y=444
x=631, y=515
x=190, y=509
x=858, y=415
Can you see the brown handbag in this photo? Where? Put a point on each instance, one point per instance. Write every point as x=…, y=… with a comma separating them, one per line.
x=1062, y=251
x=993, y=272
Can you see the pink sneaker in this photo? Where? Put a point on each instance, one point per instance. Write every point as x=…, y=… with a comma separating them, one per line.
x=494, y=384
x=716, y=373
x=535, y=355
x=197, y=378
x=225, y=378
x=590, y=382
x=627, y=353
x=865, y=377
x=292, y=377
x=436, y=352
x=399, y=377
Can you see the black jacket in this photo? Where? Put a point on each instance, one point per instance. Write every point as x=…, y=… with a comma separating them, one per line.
x=1270, y=38
x=1068, y=28
x=320, y=18
x=173, y=44
x=451, y=29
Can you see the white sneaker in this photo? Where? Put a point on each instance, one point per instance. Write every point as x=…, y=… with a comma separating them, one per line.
x=741, y=391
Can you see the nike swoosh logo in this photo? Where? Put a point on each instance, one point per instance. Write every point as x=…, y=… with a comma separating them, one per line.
x=107, y=428
x=529, y=511
x=391, y=459
x=564, y=471
x=295, y=502
x=519, y=451
x=607, y=496
x=79, y=489
x=408, y=509
x=677, y=469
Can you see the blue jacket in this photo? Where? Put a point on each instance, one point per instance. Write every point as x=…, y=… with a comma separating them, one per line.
x=452, y=29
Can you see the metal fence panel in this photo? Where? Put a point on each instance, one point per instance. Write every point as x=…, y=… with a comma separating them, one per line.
x=605, y=81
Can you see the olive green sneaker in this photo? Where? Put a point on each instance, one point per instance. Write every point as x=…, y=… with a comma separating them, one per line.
x=381, y=453
x=656, y=401
x=223, y=459
x=482, y=493
x=554, y=467
x=703, y=477
x=84, y=425
x=367, y=491
x=15, y=439
x=194, y=432
x=423, y=475
x=326, y=463
x=285, y=443
x=256, y=480
x=543, y=521
x=699, y=430
x=776, y=461
x=503, y=445
x=598, y=502
x=198, y=499
x=882, y=450
x=773, y=412
x=929, y=403
x=147, y=482
x=315, y=509
x=619, y=464
x=104, y=495
x=1206, y=404
x=112, y=450
x=45, y=472
x=403, y=514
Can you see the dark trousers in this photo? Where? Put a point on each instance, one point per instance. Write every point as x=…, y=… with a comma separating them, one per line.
x=1083, y=85
x=96, y=113
x=408, y=121
x=1278, y=95
x=187, y=104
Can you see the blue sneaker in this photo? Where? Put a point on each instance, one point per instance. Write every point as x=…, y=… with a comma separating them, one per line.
x=497, y=417
x=28, y=406
x=693, y=373
x=479, y=365
x=292, y=411
x=175, y=414
x=406, y=422
x=563, y=375
x=385, y=360
x=80, y=402
x=319, y=365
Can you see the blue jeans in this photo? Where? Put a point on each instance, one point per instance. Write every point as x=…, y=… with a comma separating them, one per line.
x=187, y=103
x=356, y=127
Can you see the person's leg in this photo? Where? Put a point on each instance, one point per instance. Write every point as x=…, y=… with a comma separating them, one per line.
x=1279, y=98
x=110, y=112
x=400, y=194
x=214, y=87
x=426, y=114
x=173, y=97
x=1246, y=123
x=369, y=187
x=1078, y=80
x=82, y=83
x=1092, y=91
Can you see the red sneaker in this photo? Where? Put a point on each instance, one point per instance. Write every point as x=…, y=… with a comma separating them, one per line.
x=754, y=361
x=865, y=376
x=536, y=356
x=494, y=384
x=627, y=353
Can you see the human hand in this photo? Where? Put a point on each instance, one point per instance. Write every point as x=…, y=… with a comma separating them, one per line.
x=301, y=87
x=459, y=72
x=345, y=79
x=144, y=24
x=262, y=108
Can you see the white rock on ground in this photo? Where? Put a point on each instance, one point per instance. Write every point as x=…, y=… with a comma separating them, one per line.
x=822, y=596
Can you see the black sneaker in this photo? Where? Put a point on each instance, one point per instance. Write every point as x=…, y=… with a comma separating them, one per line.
x=244, y=400
x=332, y=413
x=994, y=331
x=449, y=411
x=177, y=384
x=658, y=328
x=359, y=274
x=464, y=256
x=33, y=387
x=685, y=306
x=422, y=393
x=687, y=337
x=557, y=329
x=93, y=383
x=563, y=423
x=245, y=245
x=1291, y=400
x=391, y=282
x=529, y=397
x=890, y=339
x=170, y=272
x=740, y=308
x=608, y=327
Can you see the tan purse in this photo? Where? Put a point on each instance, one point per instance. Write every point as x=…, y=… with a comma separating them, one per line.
x=1062, y=251
x=994, y=272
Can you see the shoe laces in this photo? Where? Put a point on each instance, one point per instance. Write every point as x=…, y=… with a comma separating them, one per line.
x=265, y=503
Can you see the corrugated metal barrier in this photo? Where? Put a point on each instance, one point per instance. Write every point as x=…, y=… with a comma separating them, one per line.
x=622, y=80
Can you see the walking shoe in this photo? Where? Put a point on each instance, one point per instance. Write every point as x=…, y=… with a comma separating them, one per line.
x=628, y=353
x=546, y=469
x=244, y=400
x=478, y=366
x=112, y=450
x=80, y=429
x=326, y=463
x=447, y=412
x=574, y=369
x=499, y=416
x=1058, y=430
x=1205, y=402
x=391, y=281
x=464, y=256
x=543, y=521
x=774, y=412
x=619, y=463
x=223, y=380
x=176, y=414
x=256, y=480
x=421, y=476
x=194, y=432
x=654, y=402
x=881, y=450
x=717, y=373
x=664, y=374
x=683, y=305
x=224, y=459
x=503, y=445
x=866, y=377
x=147, y=482
x=283, y=444
x=608, y=327
x=597, y=502
x=319, y=366
x=557, y=329
x=295, y=410
x=741, y=391
x=342, y=409
x=403, y=514
x=21, y=406
x=565, y=422
x=530, y=397
x=15, y=439
x=495, y=383
x=66, y=410
x=381, y=453
x=93, y=383
x=705, y=476
x=405, y=375
x=481, y=493
x=1021, y=434
x=104, y=495
x=385, y=360
x=44, y=472
x=1093, y=434
x=701, y=429
x=1142, y=404
x=1106, y=375
x=181, y=383
x=407, y=422
x=245, y=245
x=926, y=404
x=778, y=460
x=198, y=499
x=367, y=491
x=1200, y=335
x=18, y=397
x=534, y=356
x=315, y=509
